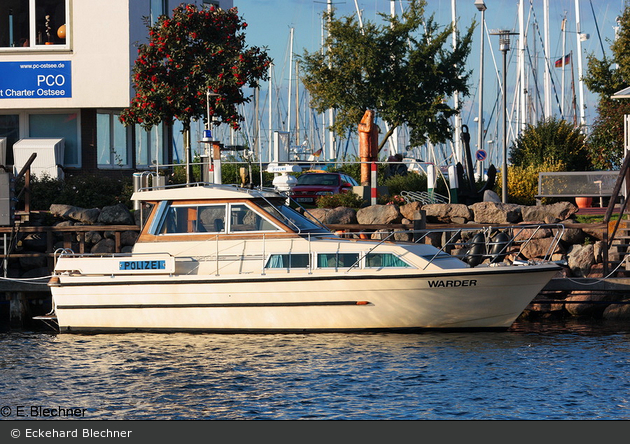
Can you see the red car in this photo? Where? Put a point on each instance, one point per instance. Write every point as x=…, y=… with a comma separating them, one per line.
x=310, y=186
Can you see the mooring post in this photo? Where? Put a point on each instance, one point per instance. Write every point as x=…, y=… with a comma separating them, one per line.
x=17, y=310
x=419, y=223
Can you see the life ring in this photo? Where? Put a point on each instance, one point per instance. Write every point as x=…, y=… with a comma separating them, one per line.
x=497, y=247
x=476, y=252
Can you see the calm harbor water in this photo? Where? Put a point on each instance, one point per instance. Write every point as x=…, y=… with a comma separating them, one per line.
x=535, y=371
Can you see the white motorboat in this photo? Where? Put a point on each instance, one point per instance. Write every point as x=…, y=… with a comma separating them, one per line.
x=226, y=259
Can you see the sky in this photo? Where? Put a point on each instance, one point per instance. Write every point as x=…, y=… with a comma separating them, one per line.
x=270, y=23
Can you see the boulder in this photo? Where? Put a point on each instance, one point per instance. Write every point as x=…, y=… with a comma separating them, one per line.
x=580, y=259
x=448, y=213
x=34, y=241
x=106, y=246
x=341, y=215
x=558, y=211
x=379, y=214
x=93, y=237
x=128, y=238
x=69, y=212
x=572, y=235
x=496, y=213
x=617, y=311
x=586, y=309
x=116, y=215
x=409, y=210
x=317, y=214
x=524, y=233
x=491, y=196
x=540, y=248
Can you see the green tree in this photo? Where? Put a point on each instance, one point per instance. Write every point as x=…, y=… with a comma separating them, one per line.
x=405, y=70
x=551, y=140
x=192, y=53
x=605, y=77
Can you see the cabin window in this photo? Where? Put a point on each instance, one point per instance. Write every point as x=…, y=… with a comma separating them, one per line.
x=384, y=260
x=193, y=219
x=337, y=260
x=182, y=219
x=292, y=218
x=243, y=218
x=300, y=260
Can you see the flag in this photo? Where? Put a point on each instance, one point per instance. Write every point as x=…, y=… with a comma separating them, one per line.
x=567, y=60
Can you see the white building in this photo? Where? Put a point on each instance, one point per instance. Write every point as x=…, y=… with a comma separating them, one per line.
x=65, y=72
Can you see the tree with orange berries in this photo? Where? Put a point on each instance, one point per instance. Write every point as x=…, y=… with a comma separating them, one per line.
x=194, y=52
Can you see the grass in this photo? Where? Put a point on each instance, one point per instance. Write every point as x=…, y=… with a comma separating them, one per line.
x=596, y=218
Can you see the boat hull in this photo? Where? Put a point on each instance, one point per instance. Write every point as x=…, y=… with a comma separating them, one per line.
x=480, y=298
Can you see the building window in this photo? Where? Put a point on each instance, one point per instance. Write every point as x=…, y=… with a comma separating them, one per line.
x=64, y=125
x=111, y=140
x=149, y=146
x=158, y=8
x=34, y=24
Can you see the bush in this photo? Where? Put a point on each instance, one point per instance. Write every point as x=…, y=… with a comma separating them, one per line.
x=523, y=182
x=85, y=191
x=350, y=200
x=551, y=140
x=409, y=182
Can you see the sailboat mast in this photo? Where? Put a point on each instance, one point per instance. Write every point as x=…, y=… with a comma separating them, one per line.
x=297, y=104
x=331, y=112
x=393, y=141
x=270, y=143
x=521, y=61
x=458, y=119
x=564, y=51
x=288, y=124
x=579, y=50
x=547, y=77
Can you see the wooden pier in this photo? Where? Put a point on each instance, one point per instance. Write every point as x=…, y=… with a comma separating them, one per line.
x=21, y=299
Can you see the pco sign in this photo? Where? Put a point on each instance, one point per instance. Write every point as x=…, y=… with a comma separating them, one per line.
x=51, y=80
x=35, y=80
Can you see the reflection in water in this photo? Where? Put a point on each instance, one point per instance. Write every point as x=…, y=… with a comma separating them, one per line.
x=534, y=371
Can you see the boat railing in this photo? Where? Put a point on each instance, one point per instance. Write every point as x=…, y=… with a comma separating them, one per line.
x=459, y=242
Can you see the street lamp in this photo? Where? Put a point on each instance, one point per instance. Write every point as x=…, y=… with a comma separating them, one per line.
x=504, y=47
x=481, y=6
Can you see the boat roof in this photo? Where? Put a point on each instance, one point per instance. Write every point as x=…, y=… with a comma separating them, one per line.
x=202, y=191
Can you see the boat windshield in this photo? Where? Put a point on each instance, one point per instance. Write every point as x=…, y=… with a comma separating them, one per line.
x=292, y=218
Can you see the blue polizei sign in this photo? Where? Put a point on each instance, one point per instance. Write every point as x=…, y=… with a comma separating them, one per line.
x=35, y=80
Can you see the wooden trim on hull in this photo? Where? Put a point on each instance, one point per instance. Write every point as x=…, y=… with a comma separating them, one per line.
x=234, y=305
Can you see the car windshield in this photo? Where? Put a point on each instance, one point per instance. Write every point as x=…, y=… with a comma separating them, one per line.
x=318, y=179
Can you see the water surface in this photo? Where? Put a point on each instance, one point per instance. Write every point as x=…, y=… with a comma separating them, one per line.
x=550, y=370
